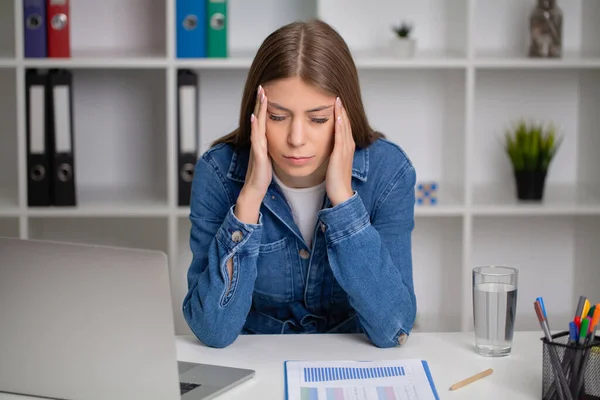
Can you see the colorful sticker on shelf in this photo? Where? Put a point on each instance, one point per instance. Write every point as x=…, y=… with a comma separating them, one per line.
x=427, y=193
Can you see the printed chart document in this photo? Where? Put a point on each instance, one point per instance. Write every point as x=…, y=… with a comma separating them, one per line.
x=359, y=380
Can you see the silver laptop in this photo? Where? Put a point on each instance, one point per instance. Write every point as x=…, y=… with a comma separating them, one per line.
x=94, y=322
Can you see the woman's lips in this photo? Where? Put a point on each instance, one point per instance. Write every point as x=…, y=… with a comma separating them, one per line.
x=298, y=160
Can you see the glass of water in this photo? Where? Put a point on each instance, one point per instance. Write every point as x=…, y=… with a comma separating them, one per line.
x=494, y=309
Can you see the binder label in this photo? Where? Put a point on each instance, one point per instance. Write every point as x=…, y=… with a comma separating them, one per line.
x=62, y=121
x=37, y=106
x=187, y=102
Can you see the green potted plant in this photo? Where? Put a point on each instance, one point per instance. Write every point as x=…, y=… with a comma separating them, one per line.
x=531, y=148
x=403, y=45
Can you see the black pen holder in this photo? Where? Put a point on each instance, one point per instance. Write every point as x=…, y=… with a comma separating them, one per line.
x=580, y=366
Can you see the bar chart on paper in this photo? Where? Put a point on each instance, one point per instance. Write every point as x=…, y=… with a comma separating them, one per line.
x=359, y=380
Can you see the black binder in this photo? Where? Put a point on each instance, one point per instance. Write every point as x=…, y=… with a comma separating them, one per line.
x=61, y=127
x=39, y=175
x=187, y=133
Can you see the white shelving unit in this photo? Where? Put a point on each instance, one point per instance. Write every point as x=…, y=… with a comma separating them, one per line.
x=448, y=107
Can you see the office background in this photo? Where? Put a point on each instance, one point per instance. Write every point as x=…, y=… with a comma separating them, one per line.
x=448, y=106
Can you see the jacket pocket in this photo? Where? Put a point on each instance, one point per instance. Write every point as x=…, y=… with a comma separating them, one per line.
x=274, y=272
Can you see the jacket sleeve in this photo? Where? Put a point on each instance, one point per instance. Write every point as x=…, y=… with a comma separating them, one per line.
x=372, y=259
x=214, y=309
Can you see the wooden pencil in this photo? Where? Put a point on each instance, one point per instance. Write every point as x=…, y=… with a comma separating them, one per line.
x=471, y=379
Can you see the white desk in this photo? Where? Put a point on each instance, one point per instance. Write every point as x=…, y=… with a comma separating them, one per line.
x=450, y=357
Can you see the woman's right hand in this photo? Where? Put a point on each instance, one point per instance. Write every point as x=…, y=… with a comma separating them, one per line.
x=260, y=169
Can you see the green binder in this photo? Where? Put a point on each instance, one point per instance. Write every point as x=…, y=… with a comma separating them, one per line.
x=217, y=29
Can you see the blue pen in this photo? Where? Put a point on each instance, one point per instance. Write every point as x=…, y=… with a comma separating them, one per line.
x=573, y=337
x=543, y=306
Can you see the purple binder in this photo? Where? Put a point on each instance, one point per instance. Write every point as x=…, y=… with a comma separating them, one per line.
x=34, y=13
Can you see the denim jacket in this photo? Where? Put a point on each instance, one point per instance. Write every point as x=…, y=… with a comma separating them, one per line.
x=355, y=278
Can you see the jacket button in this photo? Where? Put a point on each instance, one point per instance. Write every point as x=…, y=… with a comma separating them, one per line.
x=402, y=339
x=304, y=254
x=237, y=236
x=323, y=227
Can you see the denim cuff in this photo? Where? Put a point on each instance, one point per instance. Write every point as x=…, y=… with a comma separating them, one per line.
x=238, y=236
x=344, y=219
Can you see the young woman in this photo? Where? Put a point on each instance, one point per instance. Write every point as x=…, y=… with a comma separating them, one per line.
x=302, y=217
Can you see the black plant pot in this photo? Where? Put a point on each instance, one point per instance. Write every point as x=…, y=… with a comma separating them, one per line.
x=530, y=184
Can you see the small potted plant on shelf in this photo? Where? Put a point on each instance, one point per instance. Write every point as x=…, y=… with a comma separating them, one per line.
x=530, y=148
x=403, y=45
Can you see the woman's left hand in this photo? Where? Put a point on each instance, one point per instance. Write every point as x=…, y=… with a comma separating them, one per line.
x=339, y=172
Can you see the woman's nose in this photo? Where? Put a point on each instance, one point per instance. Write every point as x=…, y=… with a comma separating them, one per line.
x=296, y=136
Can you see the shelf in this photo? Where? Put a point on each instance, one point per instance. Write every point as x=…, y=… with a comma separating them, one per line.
x=8, y=143
x=565, y=199
x=437, y=266
x=515, y=60
x=9, y=227
x=145, y=233
x=126, y=201
x=120, y=138
x=502, y=28
x=120, y=59
x=568, y=98
x=440, y=25
x=556, y=257
x=428, y=109
x=134, y=26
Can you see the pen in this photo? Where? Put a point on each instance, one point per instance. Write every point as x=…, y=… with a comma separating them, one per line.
x=586, y=356
x=583, y=333
x=586, y=309
x=566, y=360
x=554, y=358
x=580, y=305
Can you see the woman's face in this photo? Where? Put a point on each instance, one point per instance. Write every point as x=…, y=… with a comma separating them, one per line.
x=299, y=128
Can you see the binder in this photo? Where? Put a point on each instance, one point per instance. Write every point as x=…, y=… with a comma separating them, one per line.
x=191, y=28
x=187, y=133
x=217, y=29
x=59, y=27
x=34, y=23
x=61, y=128
x=39, y=178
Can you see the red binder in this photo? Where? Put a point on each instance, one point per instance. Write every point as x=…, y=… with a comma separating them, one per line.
x=59, y=27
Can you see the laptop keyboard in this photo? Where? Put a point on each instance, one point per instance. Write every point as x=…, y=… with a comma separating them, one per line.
x=186, y=387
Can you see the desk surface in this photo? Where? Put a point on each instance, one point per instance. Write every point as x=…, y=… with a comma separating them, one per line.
x=450, y=356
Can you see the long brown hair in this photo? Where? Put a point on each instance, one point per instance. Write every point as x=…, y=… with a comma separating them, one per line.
x=316, y=53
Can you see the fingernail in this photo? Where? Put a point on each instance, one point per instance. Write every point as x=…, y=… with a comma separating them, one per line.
x=338, y=101
x=339, y=119
x=258, y=90
x=252, y=117
x=262, y=97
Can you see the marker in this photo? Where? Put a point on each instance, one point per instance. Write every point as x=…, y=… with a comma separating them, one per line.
x=595, y=318
x=554, y=358
x=572, y=333
x=583, y=331
x=586, y=309
x=580, y=305
x=541, y=301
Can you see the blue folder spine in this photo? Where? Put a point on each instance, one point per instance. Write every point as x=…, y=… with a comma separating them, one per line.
x=35, y=36
x=191, y=28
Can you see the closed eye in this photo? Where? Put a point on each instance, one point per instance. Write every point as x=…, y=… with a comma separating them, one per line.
x=276, y=117
x=279, y=118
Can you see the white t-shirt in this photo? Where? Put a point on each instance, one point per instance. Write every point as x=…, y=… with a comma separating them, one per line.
x=305, y=204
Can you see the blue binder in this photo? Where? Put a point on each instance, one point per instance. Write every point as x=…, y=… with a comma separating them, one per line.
x=35, y=40
x=191, y=28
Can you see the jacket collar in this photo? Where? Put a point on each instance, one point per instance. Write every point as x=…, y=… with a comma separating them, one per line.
x=239, y=164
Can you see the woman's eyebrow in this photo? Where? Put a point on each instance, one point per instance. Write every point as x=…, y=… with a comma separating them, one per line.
x=280, y=107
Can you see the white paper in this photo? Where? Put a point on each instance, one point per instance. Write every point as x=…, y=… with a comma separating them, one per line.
x=359, y=380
